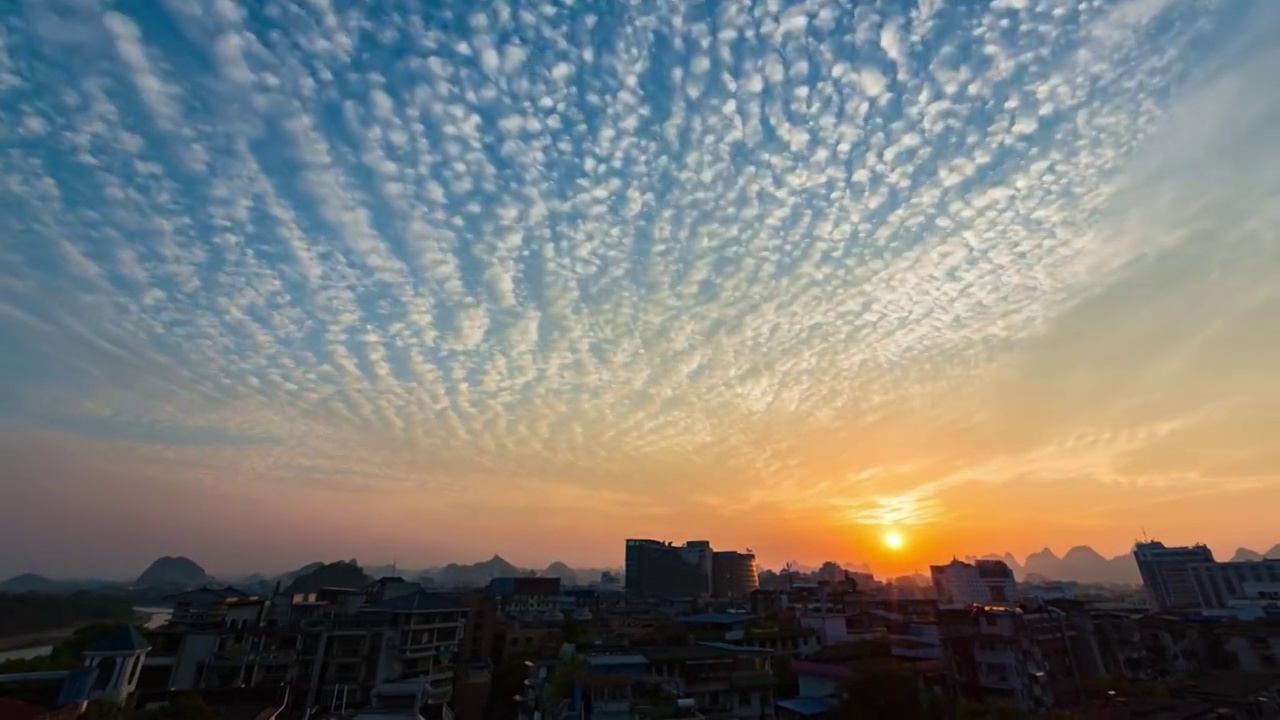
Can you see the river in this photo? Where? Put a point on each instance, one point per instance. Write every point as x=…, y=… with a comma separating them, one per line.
x=155, y=618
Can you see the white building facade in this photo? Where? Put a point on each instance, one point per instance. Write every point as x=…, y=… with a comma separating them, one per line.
x=987, y=582
x=1167, y=575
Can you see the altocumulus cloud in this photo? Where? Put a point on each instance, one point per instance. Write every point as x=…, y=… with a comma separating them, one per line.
x=555, y=249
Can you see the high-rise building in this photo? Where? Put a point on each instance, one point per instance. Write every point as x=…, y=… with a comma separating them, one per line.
x=988, y=582
x=1166, y=573
x=1218, y=583
x=658, y=569
x=734, y=574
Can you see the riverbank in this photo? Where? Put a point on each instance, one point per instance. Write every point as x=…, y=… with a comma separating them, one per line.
x=36, y=644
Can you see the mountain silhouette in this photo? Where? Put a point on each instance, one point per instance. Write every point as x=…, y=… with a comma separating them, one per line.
x=172, y=572
x=285, y=579
x=1244, y=554
x=478, y=574
x=31, y=582
x=333, y=575
x=1080, y=564
x=1007, y=559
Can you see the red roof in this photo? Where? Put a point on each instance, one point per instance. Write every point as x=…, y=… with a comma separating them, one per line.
x=12, y=709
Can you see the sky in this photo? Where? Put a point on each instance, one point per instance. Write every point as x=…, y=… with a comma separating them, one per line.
x=292, y=280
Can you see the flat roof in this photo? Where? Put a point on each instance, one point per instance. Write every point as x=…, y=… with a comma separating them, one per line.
x=717, y=618
x=728, y=647
x=806, y=705
x=612, y=660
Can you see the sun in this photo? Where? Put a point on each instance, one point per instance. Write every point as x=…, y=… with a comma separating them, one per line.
x=892, y=540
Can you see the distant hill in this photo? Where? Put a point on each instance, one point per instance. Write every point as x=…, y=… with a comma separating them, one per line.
x=1007, y=559
x=30, y=582
x=1081, y=564
x=476, y=575
x=285, y=579
x=558, y=569
x=333, y=575
x=1246, y=555
x=27, y=613
x=173, y=572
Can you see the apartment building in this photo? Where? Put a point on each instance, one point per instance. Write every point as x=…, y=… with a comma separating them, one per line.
x=527, y=597
x=986, y=582
x=993, y=657
x=734, y=574
x=1166, y=573
x=332, y=649
x=1217, y=584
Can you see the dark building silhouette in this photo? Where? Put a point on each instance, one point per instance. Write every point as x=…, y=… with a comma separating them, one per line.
x=733, y=574
x=657, y=569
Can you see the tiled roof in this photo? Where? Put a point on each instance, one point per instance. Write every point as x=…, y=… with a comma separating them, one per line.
x=124, y=638
x=215, y=593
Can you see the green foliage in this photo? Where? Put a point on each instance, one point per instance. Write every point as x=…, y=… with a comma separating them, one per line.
x=31, y=613
x=889, y=693
x=66, y=655
x=576, y=632
x=560, y=684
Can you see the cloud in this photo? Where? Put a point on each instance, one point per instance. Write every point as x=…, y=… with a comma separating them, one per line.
x=538, y=252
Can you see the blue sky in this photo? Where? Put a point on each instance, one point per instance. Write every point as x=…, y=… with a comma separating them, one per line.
x=591, y=270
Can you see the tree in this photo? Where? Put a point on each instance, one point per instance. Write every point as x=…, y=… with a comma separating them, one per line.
x=66, y=655
x=575, y=632
x=889, y=692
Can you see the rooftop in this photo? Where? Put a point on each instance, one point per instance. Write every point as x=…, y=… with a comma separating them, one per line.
x=738, y=649
x=717, y=619
x=121, y=639
x=420, y=601
x=616, y=660
x=678, y=653
x=214, y=594
x=806, y=706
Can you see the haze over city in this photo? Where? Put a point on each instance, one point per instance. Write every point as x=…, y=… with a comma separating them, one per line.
x=288, y=281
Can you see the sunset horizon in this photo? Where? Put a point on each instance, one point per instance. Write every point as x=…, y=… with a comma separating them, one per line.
x=284, y=282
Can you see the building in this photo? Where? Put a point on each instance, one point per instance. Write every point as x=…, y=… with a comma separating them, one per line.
x=332, y=648
x=986, y=582
x=527, y=596
x=1261, y=601
x=1255, y=647
x=656, y=569
x=734, y=575
x=993, y=657
x=1217, y=584
x=1166, y=573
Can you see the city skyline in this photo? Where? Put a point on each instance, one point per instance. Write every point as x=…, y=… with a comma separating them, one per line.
x=280, y=282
